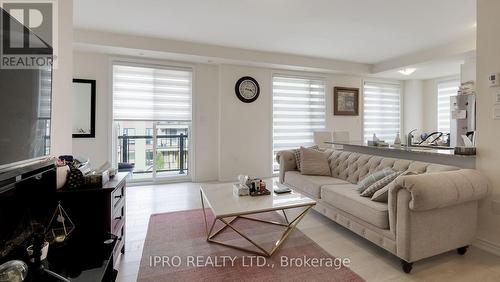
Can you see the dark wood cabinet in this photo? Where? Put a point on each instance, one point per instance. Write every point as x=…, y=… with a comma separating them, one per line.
x=28, y=195
x=117, y=209
x=95, y=211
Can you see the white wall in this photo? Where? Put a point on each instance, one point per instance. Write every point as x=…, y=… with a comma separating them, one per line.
x=352, y=124
x=468, y=70
x=132, y=45
x=413, y=112
x=95, y=66
x=429, y=105
x=241, y=153
x=245, y=129
x=206, y=113
x=61, y=83
x=488, y=130
x=230, y=137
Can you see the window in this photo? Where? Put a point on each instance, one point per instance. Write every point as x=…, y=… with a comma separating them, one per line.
x=131, y=156
x=153, y=94
x=298, y=111
x=149, y=98
x=381, y=110
x=149, y=132
x=129, y=132
x=445, y=89
x=149, y=157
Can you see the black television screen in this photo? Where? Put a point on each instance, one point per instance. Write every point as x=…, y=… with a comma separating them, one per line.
x=25, y=109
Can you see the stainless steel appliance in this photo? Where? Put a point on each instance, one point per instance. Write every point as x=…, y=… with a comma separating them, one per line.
x=462, y=118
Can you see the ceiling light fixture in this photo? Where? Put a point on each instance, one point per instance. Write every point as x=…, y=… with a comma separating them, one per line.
x=407, y=71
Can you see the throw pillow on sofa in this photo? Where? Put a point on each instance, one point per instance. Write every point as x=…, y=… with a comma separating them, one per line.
x=314, y=162
x=380, y=184
x=373, y=177
x=382, y=194
x=296, y=154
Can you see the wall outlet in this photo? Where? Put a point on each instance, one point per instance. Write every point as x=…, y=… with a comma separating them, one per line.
x=494, y=79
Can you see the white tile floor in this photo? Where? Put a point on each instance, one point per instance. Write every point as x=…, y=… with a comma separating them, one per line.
x=367, y=260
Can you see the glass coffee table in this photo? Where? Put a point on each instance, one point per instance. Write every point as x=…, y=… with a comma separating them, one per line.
x=228, y=207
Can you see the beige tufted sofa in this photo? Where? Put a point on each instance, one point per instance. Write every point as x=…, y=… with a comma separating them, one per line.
x=426, y=214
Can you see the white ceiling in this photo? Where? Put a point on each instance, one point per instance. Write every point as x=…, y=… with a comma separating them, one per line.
x=364, y=31
x=427, y=70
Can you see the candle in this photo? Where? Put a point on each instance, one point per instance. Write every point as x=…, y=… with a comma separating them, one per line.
x=59, y=238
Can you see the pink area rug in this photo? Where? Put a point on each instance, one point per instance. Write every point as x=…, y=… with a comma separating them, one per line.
x=175, y=249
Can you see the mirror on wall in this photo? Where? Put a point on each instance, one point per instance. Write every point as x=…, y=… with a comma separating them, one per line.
x=84, y=108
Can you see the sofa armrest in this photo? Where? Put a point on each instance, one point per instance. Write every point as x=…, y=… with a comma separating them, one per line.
x=286, y=160
x=441, y=189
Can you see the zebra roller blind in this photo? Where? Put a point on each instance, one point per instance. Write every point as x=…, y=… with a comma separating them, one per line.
x=445, y=90
x=151, y=93
x=298, y=111
x=381, y=110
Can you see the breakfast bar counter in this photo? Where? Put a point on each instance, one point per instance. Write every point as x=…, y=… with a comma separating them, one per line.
x=423, y=154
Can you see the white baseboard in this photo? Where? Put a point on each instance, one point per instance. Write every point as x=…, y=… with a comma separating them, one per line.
x=488, y=246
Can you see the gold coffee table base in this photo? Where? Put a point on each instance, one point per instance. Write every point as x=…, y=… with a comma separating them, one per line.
x=289, y=227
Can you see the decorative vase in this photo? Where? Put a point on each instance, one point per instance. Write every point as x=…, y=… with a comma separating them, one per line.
x=62, y=175
x=43, y=255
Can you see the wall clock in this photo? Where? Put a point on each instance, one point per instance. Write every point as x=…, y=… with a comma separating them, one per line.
x=247, y=89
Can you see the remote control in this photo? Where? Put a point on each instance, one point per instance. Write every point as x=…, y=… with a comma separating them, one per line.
x=282, y=190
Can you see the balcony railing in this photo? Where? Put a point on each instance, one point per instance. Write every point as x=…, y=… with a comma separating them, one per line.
x=172, y=147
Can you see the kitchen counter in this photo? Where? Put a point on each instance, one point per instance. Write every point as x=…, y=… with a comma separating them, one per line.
x=423, y=154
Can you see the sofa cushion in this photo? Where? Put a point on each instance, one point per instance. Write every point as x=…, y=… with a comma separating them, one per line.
x=371, y=178
x=314, y=162
x=383, y=194
x=296, y=154
x=368, y=192
x=346, y=197
x=310, y=184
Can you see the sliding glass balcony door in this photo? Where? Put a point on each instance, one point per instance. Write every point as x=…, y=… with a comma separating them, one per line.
x=152, y=121
x=171, y=149
x=153, y=150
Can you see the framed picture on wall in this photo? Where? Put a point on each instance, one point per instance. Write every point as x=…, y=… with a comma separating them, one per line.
x=345, y=101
